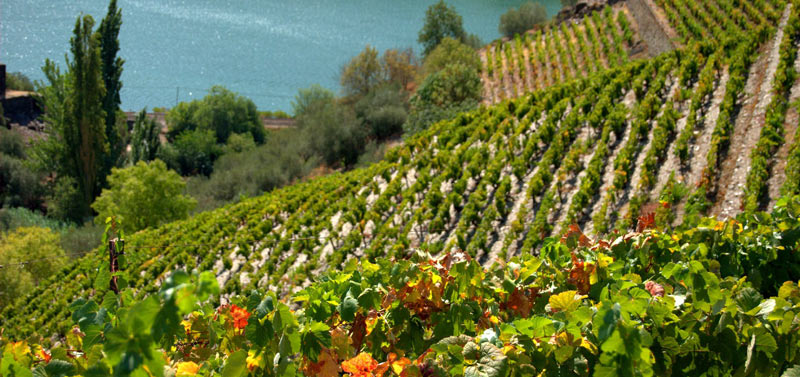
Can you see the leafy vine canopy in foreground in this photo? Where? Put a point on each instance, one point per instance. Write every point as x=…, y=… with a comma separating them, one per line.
x=719, y=299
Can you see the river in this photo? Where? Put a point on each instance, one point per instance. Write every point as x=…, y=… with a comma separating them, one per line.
x=263, y=49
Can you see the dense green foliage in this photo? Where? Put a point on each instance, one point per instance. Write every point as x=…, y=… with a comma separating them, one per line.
x=143, y=195
x=28, y=255
x=451, y=51
x=77, y=143
x=20, y=186
x=621, y=306
x=221, y=111
x=108, y=34
x=145, y=139
x=454, y=89
x=441, y=20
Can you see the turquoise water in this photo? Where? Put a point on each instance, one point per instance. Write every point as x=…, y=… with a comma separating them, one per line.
x=263, y=49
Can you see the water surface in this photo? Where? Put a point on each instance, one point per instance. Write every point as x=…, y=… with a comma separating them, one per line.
x=263, y=49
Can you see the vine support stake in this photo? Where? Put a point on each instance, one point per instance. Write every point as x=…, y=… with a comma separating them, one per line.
x=114, y=262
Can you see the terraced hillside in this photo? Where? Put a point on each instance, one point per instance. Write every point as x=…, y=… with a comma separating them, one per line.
x=557, y=53
x=680, y=135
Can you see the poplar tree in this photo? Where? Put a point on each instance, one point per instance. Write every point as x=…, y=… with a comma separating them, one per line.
x=112, y=72
x=76, y=144
x=86, y=136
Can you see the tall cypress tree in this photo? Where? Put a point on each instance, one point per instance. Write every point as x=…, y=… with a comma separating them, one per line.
x=108, y=33
x=85, y=134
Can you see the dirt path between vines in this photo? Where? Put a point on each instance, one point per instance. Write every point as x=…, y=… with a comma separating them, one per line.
x=747, y=127
x=653, y=26
x=778, y=162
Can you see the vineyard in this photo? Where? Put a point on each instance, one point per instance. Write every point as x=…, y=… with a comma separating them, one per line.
x=556, y=54
x=561, y=231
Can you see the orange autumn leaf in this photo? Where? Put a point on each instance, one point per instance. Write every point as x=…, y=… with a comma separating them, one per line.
x=360, y=366
x=397, y=365
x=240, y=317
x=44, y=355
x=646, y=221
x=327, y=365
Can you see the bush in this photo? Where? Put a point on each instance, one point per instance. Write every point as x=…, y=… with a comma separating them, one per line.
x=518, y=21
x=253, y=171
x=451, y=51
x=383, y=111
x=310, y=97
x=37, y=246
x=66, y=201
x=20, y=186
x=334, y=134
x=223, y=112
x=239, y=143
x=143, y=195
x=442, y=95
x=193, y=152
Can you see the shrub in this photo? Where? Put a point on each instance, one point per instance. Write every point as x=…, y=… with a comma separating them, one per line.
x=451, y=51
x=253, y=171
x=333, y=132
x=383, y=111
x=518, y=21
x=143, y=195
x=442, y=95
x=39, y=247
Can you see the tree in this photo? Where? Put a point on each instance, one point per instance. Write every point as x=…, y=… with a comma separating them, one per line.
x=451, y=51
x=108, y=33
x=454, y=89
x=85, y=124
x=192, y=152
x=145, y=139
x=221, y=111
x=362, y=73
x=518, y=21
x=143, y=195
x=383, y=110
x=400, y=67
x=76, y=142
x=310, y=97
x=441, y=21
x=39, y=247
x=333, y=131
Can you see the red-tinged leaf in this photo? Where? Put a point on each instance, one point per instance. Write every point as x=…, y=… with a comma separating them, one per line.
x=646, y=221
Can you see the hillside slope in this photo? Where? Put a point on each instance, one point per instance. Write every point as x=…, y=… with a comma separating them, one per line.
x=597, y=151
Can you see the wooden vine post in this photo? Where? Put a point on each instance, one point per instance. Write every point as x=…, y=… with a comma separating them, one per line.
x=113, y=254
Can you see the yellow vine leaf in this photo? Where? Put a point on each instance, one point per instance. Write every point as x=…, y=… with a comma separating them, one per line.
x=565, y=301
